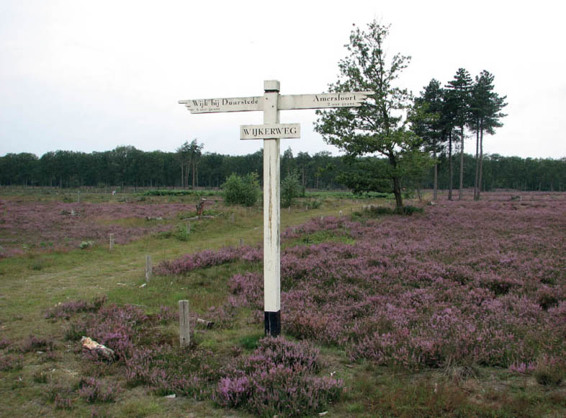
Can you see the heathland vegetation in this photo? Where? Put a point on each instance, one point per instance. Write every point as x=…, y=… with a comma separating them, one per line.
x=456, y=310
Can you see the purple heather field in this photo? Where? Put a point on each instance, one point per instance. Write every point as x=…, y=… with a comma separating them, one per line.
x=463, y=283
x=62, y=226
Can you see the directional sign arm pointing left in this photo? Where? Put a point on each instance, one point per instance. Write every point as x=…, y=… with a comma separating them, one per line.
x=225, y=104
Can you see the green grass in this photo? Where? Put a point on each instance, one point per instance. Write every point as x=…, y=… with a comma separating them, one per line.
x=319, y=237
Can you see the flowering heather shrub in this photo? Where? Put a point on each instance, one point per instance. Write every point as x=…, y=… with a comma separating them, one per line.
x=559, y=313
x=10, y=362
x=167, y=314
x=171, y=370
x=522, y=368
x=63, y=402
x=116, y=327
x=223, y=316
x=300, y=356
x=233, y=392
x=248, y=290
x=209, y=258
x=282, y=391
x=4, y=343
x=34, y=343
x=67, y=309
x=278, y=379
x=93, y=390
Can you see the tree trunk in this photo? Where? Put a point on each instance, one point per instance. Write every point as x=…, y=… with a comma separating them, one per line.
x=476, y=180
x=450, y=167
x=480, y=175
x=435, y=187
x=397, y=193
x=187, y=170
x=461, y=188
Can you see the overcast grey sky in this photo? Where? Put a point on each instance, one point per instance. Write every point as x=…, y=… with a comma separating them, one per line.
x=92, y=75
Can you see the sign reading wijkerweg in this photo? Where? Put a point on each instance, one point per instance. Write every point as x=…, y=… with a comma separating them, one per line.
x=270, y=131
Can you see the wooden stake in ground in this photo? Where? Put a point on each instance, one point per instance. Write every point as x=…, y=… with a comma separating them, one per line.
x=184, y=324
x=111, y=244
x=148, y=268
x=271, y=132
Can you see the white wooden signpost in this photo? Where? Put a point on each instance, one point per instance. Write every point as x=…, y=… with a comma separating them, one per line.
x=271, y=132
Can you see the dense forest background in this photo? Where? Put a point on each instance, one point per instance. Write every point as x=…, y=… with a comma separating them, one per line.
x=128, y=166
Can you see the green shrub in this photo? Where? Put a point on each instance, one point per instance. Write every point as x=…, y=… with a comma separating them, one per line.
x=240, y=190
x=381, y=210
x=250, y=342
x=290, y=190
x=409, y=210
x=385, y=210
x=315, y=204
x=550, y=371
x=86, y=244
x=169, y=193
x=182, y=232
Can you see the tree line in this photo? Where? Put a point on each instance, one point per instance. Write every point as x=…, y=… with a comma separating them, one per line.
x=128, y=166
x=188, y=167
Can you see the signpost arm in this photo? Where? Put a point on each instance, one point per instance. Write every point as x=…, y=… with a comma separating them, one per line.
x=271, y=212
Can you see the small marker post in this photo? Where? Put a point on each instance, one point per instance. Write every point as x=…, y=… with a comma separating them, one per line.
x=184, y=323
x=148, y=268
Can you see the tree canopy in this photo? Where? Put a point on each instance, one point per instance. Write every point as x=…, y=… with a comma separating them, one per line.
x=446, y=112
x=381, y=126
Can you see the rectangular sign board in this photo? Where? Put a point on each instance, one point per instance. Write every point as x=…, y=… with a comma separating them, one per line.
x=270, y=131
x=230, y=104
x=322, y=101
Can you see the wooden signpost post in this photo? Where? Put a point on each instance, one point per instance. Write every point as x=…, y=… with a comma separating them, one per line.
x=271, y=132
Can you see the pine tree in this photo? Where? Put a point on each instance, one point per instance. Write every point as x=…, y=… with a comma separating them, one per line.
x=485, y=112
x=430, y=125
x=448, y=120
x=460, y=89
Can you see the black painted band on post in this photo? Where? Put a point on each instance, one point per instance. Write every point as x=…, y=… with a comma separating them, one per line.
x=273, y=323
